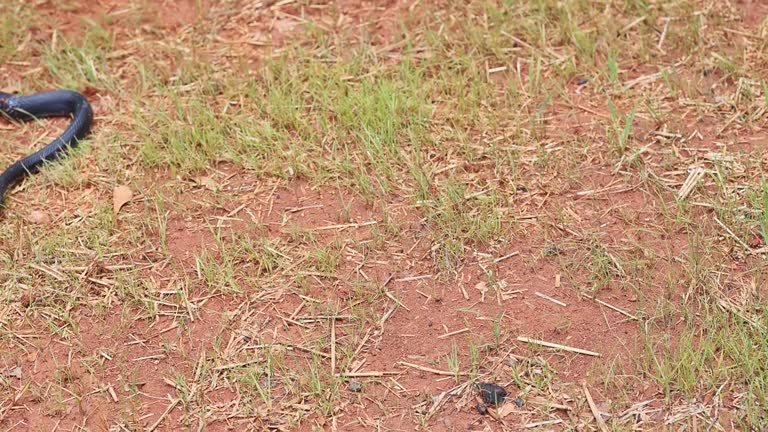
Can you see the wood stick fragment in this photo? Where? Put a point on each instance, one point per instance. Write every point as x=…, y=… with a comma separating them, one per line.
x=366, y=374
x=733, y=235
x=543, y=423
x=319, y=317
x=500, y=259
x=430, y=370
x=546, y=297
x=163, y=415
x=600, y=422
x=344, y=226
x=333, y=347
x=558, y=346
x=236, y=365
x=413, y=278
x=621, y=311
x=389, y=294
x=453, y=333
x=112, y=393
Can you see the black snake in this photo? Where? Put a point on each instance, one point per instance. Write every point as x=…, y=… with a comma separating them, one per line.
x=59, y=103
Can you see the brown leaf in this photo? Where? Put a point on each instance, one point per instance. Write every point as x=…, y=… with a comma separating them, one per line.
x=121, y=196
x=14, y=372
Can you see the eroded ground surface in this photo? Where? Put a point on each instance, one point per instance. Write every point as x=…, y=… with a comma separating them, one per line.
x=346, y=215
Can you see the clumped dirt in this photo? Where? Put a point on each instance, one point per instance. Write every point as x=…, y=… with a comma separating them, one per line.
x=146, y=362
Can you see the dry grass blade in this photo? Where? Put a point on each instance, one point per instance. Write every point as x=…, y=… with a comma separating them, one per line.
x=431, y=370
x=558, y=346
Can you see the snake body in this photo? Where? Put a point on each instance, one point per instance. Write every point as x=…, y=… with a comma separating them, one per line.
x=59, y=103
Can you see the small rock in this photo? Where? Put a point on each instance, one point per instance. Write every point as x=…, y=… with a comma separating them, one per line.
x=355, y=386
x=552, y=250
x=492, y=394
x=582, y=81
x=519, y=402
x=39, y=217
x=481, y=408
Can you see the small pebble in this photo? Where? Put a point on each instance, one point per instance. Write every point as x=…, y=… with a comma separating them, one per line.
x=519, y=402
x=582, y=81
x=481, y=408
x=39, y=217
x=552, y=250
x=355, y=386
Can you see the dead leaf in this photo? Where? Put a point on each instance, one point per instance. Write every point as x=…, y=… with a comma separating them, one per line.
x=14, y=372
x=121, y=196
x=506, y=409
x=208, y=183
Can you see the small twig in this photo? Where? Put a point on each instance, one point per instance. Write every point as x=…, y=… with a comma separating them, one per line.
x=413, y=278
x=663, y=34
x=543, y=423
x=453, y=333
x=13, y=401
x=236, y=365
x=112, y=393
x=371, y=374
x=164, y=415
x=600, y=422
x=558, y=346
x=333, y=347
x=345, y=226
x=690, y=183
x=389, y=294
x=610, y=306
x=546, y=297
x=619, y=310
x=632, y=24
x=500, y=259
x=319, y=317
x=430, y=370
x=732, y=234
x=49, y=271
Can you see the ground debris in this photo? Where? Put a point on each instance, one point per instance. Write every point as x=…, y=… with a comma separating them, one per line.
x=492, y=394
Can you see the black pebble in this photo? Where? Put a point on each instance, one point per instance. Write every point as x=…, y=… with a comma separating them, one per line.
x=552, y=250
x=492, y=394
x=582, y=81
x=481, y=408
x=519, y=402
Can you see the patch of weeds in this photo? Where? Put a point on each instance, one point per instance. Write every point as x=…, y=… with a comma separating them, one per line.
x=76, y=64
x=458, y=220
